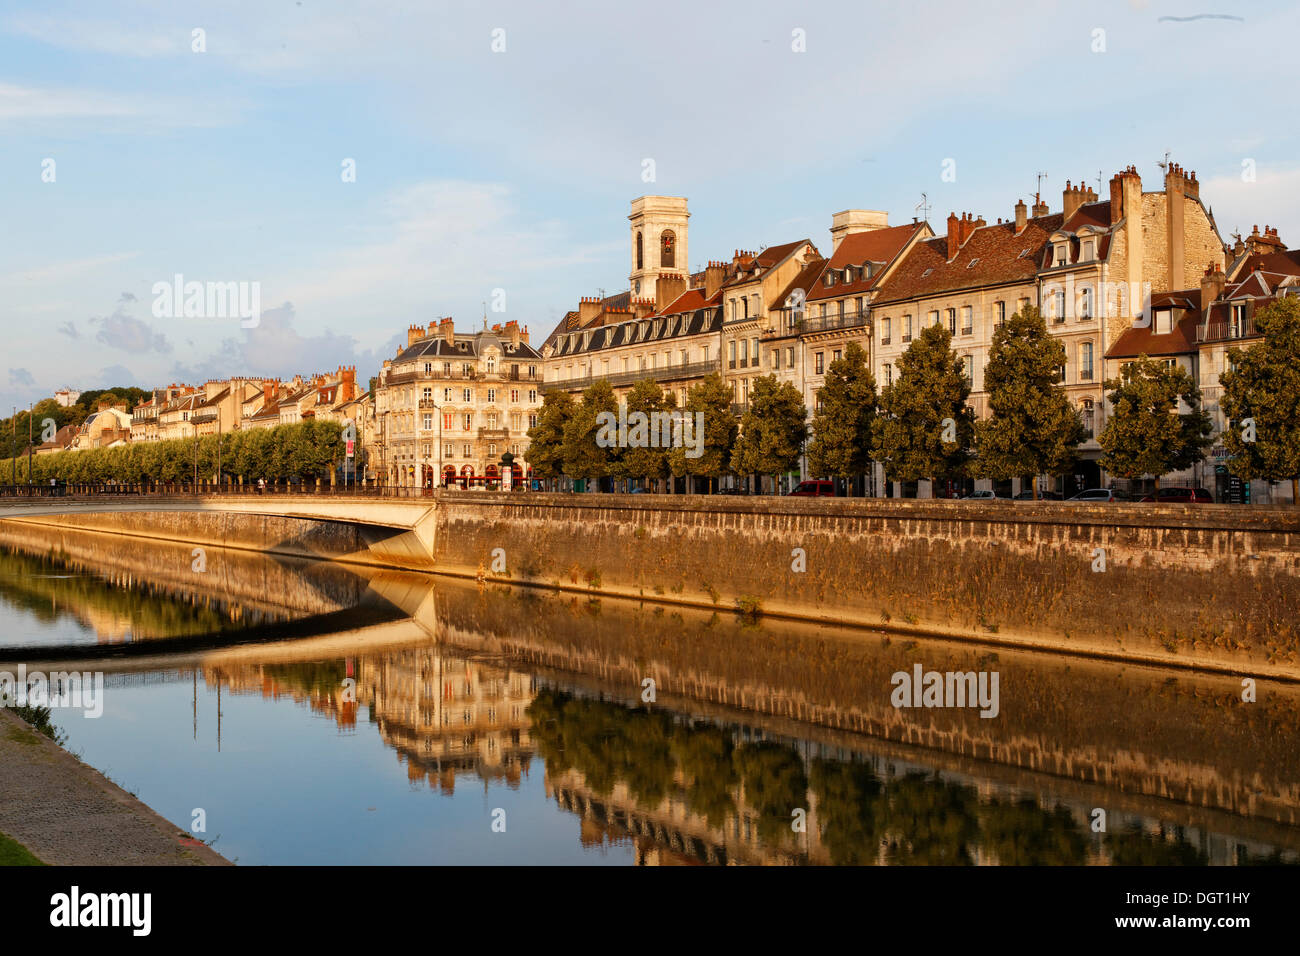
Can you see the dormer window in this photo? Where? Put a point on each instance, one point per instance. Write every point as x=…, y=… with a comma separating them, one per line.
x=848, y=274
x=830, y=278
x=1062, y=254
x=1089, y=251
x=1164, y=322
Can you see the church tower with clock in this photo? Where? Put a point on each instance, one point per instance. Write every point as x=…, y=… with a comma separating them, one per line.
x=658, y=241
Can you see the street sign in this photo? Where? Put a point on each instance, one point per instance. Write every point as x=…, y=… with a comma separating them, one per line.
x=350, y=445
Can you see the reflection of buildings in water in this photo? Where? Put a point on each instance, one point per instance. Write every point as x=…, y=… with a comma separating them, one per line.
x=446, y=714
x=909, y=814
x=299, y=683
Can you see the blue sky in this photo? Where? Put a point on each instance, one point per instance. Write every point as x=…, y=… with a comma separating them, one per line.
x=478, y=170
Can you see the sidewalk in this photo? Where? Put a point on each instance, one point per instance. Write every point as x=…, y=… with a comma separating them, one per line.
x=69, y=814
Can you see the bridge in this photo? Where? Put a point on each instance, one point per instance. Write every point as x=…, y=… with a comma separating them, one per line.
x=396, y=523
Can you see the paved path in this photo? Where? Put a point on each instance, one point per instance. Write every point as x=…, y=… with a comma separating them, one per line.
x=69, y=814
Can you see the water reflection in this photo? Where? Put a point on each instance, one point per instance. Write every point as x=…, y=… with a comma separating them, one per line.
x=757, y=729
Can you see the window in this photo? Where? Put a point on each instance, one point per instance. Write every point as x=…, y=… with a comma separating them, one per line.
x=469, y=421
x=819, y=363
x=667, y=249
x=427, y=394
x=1000, y=313
x=1085, y=361
x=1237, y=325
x=907, y=328
x=532, y=395
x=885, y=328
x=1058, y=306
x=789, y=357
x=731, y=354
x=492, y=420
x=428, y=424
x=1060, y=373
x=889, y=374
x=1164, y=322
x=532, y=421
x=465, y=451
x=640, y=259
x=514, y=396
x=448, y=450
x=754, y=350
x=446, y=369
x=968, y=368
x=492, y=449
x=934, y=317
x=952, y=321
x=1088, y=418
x=835, y=356
x=449, y=420
x=1087, y=254
x=516, y=421
x=492, y=395
x=1085, y=304
x=776, y=358
x=967, y=320
x=744, y=352
x=428, y=370
x=1062, y=256
x=467, y=395
x=532, y=371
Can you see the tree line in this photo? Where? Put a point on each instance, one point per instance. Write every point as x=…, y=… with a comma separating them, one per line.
x=921, y=427
x=303, y=451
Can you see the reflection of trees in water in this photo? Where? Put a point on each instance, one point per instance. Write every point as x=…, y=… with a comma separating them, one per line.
x=312, y=676
x=918, y=818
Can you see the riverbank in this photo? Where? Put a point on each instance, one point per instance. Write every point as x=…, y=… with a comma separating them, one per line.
x=66, y=813
x=1205, y=587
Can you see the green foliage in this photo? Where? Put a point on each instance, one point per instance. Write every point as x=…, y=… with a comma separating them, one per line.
x=1034, y=429
x=1264, y=384
x=909, y=433
x=1145, y=433
x=646, y=397
x=773, y=430
x=712, y=398
x=583, y=458
x=842, y=429
x=13, y=853
x=546, y=438
x=306, y=450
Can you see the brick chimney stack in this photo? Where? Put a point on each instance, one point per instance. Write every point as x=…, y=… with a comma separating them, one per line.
x=1039, y=207
x=668, y=287
x=447, y=327
x=954, y=235
x=588, y=309
x=512, y=332
x=1073, y=197
x=413, y=334
x=643, y=307
x=1261, y=243
x=1022, y=216
x=715, y=273
x=1212, y=284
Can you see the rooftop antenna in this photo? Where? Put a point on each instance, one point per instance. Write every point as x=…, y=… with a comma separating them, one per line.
x=1099, y=174
x=924, y=207
x=1038, y=189
x=1165, y=164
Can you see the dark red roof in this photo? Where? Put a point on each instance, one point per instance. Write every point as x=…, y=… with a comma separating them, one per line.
x=875, y=245
x=991, y=255
x=1144, y=341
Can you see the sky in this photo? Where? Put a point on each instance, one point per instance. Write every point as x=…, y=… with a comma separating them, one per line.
x=374, y=165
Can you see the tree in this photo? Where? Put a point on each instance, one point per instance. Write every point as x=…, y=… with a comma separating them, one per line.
x=925, y=429
x=1145, y=433
x=1263, y=384
x=842, y=426
x=546, y=438
x=583, y=456
x=773, y=430
x=709, y=403
x=1033, y=429
x=645, y=461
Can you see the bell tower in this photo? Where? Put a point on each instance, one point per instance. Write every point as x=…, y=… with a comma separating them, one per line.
x=659, y=244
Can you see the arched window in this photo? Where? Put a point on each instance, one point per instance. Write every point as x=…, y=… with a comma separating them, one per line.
x=668, y=249
x=640, y=256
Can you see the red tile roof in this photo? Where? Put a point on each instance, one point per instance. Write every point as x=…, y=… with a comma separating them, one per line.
x=875, y=245
x=1144, y=341
x=991, y=255
x=689, y=301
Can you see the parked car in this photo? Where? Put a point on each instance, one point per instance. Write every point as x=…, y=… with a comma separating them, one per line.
x=1042, y=496
x=1180, y=496
x=1101, y=494
x=984, y=496
x=813, y=489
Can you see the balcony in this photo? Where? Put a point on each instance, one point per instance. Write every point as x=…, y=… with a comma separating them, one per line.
x=827, y=323
x=491, y=434
x=668, y=373
x=739, y=408
x=428, y=403
x=1226, y=330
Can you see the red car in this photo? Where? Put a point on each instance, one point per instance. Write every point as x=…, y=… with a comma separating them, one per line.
x=813, y=489
x=1169, y=496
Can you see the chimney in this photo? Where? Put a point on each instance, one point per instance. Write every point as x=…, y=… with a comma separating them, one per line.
x=512, y=332
x=643, y=307
x=668, y=287
x=1039, y=207
x=268, y=393
x=1072, y=198
x=714, y=275
x=1261, y=243
x=1175, y=190
x=954, y=235
x=413, y=334
x=523, y=336
x=588, y=309
x=1022, y=216
x=1212, y=284
x=447, y=327
x=850, y=222
x=432, y=331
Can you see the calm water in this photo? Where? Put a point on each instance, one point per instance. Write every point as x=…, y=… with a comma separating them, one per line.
x=317, y=715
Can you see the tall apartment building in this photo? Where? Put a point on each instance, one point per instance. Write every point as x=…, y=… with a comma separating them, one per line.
x=453, y=404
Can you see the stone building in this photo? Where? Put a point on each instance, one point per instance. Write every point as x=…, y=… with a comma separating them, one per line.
x=453, y=404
